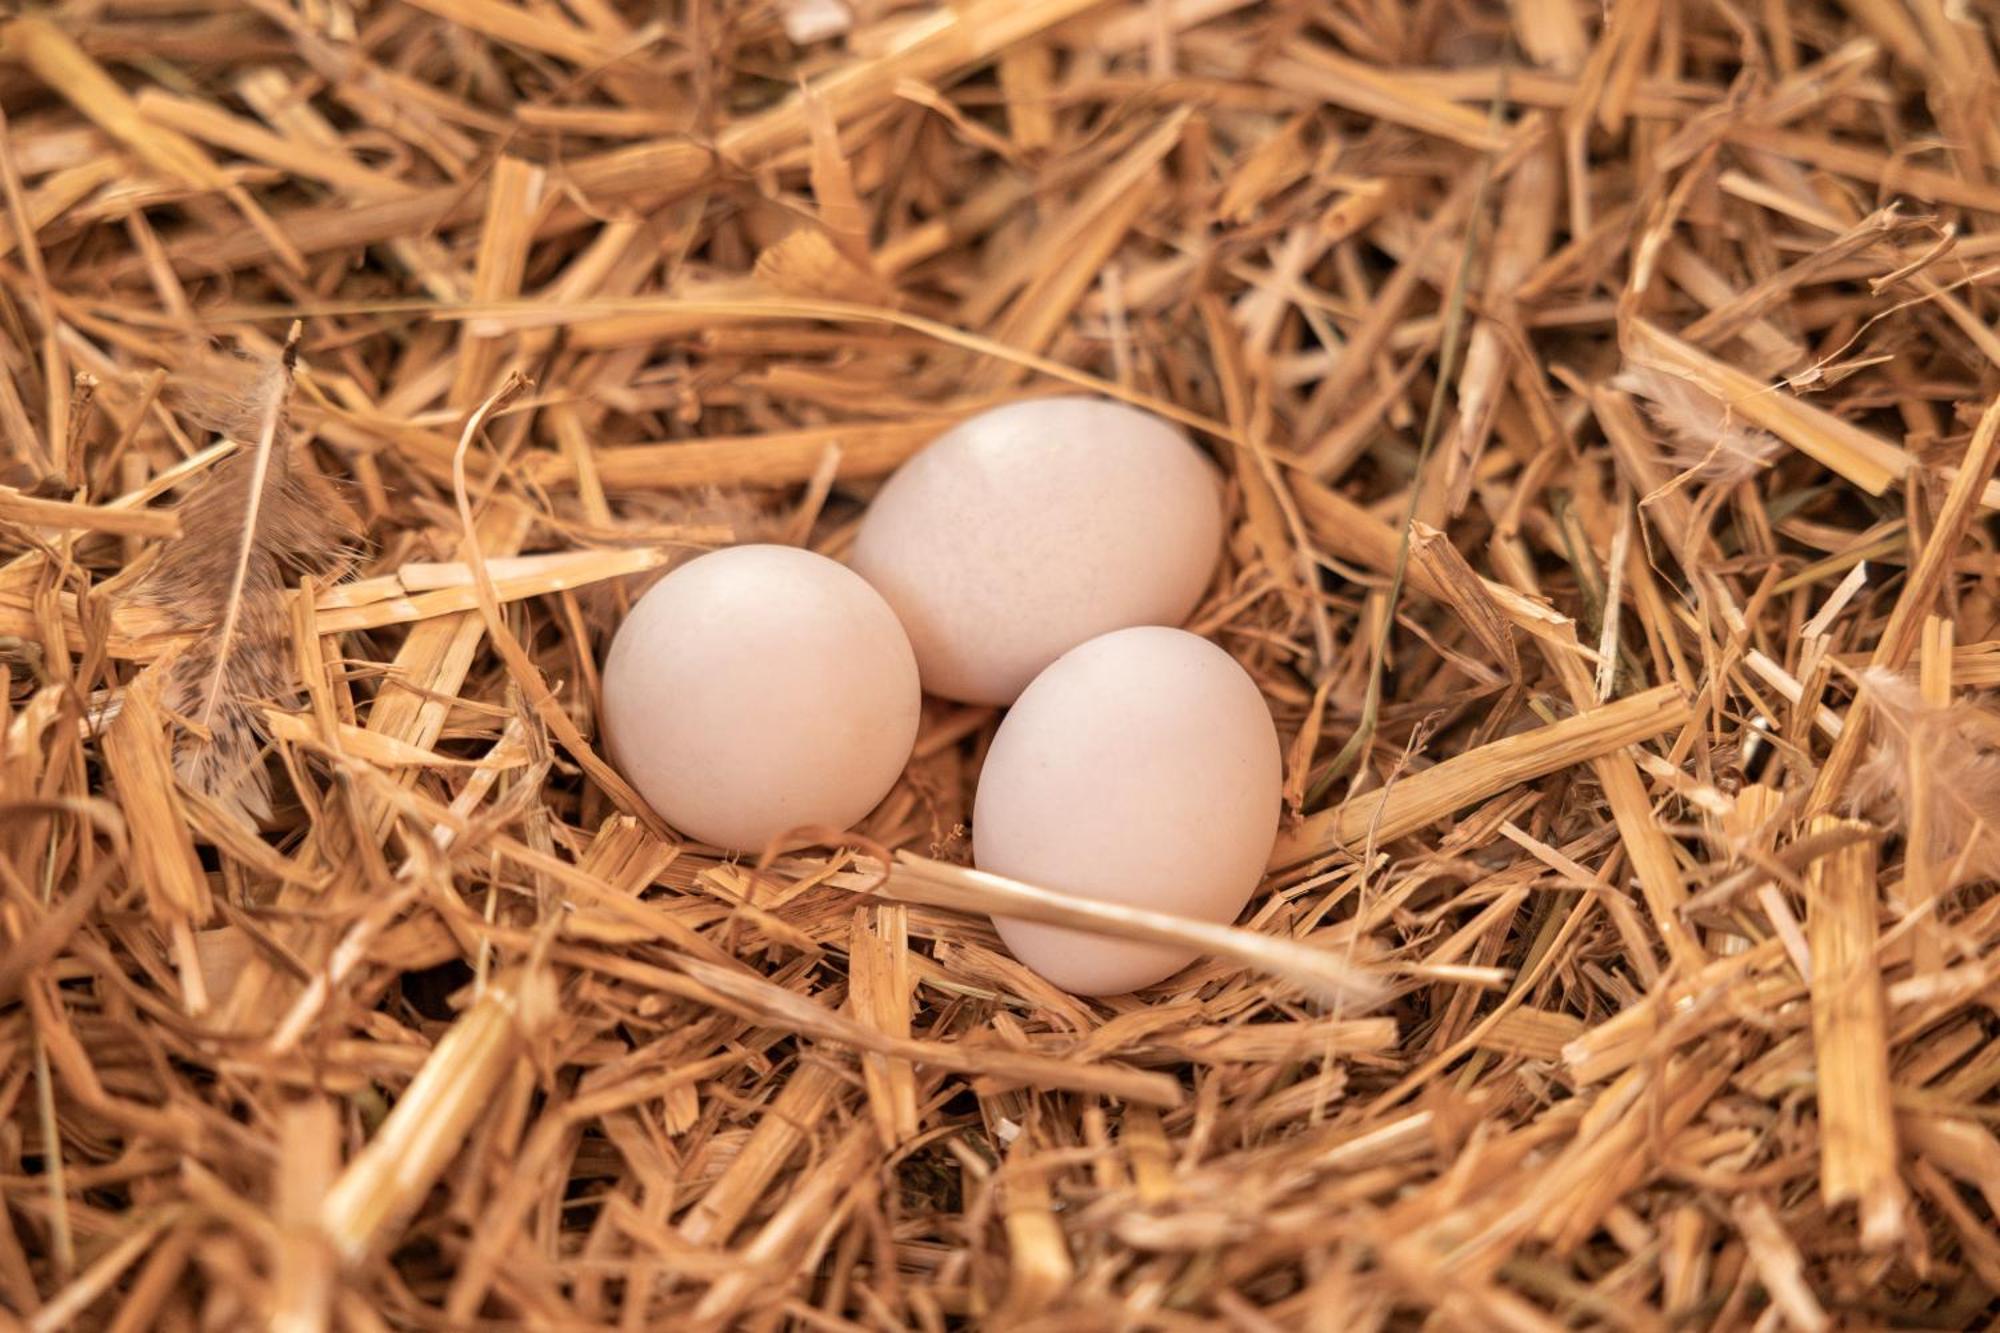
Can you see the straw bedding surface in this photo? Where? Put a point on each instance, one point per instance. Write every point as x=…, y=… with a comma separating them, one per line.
x=1605, y=396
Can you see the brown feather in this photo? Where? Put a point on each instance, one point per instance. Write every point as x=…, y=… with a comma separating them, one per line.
x=260, y=514
x=1959, y=746
x=1702, y=435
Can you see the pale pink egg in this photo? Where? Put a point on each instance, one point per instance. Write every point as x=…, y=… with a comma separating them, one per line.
x=757, y=689
x=1141, y=768
x=1023, y=531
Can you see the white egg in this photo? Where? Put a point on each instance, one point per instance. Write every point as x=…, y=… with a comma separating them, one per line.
x=1141, y=768
x=1024, y=531
x=757, y=689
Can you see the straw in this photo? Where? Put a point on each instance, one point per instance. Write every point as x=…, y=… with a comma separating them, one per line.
x=1605, y=400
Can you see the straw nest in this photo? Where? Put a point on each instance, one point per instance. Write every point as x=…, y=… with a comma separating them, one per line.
x=1604, y=393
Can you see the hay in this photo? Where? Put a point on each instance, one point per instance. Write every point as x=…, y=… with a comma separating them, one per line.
x=1547, y=1015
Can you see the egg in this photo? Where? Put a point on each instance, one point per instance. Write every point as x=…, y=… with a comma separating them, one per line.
x=1141, y=768
x=1025, y=530
x=759, y=688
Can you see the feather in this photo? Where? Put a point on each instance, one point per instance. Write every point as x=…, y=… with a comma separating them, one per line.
x=809, y=21
x=260, y=514
x=1958, y=745
x=1703, y=436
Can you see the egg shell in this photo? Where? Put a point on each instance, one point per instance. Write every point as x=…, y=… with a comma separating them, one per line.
x=1141, y=768
x=757, y=689
x=1025, y=530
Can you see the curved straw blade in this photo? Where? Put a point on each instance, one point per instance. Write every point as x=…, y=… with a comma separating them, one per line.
x=1333, y=978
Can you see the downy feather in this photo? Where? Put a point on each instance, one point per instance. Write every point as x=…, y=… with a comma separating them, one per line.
x=260, y=514
x=1703, y=436
x=1958, y=745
